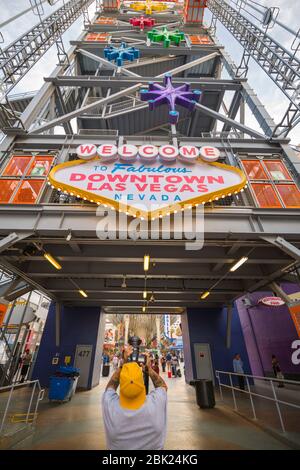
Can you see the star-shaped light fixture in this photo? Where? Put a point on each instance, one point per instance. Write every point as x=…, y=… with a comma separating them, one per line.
x=157, y=95
x=148, y=6
x=166, y=36
x=142, y=22
x=120, y=53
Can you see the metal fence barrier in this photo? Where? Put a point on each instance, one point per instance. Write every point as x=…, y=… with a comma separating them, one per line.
x=252, y=393
x=19, y=407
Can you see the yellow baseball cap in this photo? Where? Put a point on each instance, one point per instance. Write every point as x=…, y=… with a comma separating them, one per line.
x=132, y=387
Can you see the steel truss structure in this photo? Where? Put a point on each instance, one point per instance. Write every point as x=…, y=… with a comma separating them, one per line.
x=20, y=56
x=281, y=65
x=93, y=100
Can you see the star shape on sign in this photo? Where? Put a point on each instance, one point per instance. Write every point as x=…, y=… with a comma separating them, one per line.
x=120, y=53
x=157, y=95
x=166, y=36
x=142, y=22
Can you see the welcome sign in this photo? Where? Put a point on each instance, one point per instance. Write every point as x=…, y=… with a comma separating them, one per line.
x=147, y=185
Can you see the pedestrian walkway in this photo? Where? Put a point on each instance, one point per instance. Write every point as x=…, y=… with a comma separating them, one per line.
x=78, y=424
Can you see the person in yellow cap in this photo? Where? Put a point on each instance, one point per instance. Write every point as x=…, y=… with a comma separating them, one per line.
x=132, y=419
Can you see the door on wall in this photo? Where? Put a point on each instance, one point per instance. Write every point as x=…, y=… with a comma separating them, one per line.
x=204, y=368
x=83, y=356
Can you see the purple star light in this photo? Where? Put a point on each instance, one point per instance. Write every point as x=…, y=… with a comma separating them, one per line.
x=156, y=95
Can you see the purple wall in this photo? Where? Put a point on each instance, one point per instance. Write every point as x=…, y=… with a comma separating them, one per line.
x=267, y=331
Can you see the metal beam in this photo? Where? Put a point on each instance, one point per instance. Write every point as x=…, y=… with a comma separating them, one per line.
x=191, y=64
x=13, y=238
x=88, y=81
x=231, y=122
x=233, y=110
x=110, y=65
x=284, y=245
x=83, y=109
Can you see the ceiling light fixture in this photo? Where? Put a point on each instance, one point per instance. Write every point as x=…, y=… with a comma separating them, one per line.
x=205, y=294
x=52, y=260
x=83, y=293
x=239, y=263
x=69, y=236
x=146, y=262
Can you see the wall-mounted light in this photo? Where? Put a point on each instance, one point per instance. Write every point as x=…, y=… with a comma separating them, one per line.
x=145, y=294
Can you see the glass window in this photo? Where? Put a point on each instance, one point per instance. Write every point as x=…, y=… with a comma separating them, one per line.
x=7, y=188
x=290, y=194
x=254, y=170
x=40, y=166
x=28, y=192
x=17, y=165
x=266, y=195
x=277, y=170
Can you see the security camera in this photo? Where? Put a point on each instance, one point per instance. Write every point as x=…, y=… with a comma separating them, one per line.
x=247, y=302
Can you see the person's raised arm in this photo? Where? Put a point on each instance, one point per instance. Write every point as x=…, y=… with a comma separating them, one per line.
x=157, y=380
x=115, y=378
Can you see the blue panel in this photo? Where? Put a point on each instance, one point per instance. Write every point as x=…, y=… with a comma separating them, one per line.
x=78, y=325
x=209, y=326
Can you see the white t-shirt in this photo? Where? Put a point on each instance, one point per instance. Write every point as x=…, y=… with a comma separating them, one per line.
x=142, y=429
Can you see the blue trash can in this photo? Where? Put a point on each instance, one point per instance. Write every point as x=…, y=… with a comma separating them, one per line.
x=63, y=383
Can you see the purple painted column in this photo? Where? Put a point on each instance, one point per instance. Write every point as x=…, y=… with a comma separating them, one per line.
x=267, y=331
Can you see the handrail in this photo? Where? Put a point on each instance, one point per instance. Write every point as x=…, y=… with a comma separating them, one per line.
x=12, y=387
x=252, y=394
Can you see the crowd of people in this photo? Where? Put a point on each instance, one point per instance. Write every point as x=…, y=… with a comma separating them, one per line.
x=168, y=362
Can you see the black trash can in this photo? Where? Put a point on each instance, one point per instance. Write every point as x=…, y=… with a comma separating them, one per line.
x=105, y=370
x=205, y=394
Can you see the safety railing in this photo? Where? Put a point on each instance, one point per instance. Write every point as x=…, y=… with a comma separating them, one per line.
x=19, y=407
x=255, y=389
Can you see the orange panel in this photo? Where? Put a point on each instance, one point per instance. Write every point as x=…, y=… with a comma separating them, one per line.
x=295, y=314
x=277, y=170
x=200, y=39
x=3, y=309
x=290, y=195
x=104, y=20
x=7, y=188
x=97, y=37
x=17, y=165
x=28, y=192
x=254, y=170
x=40, y=166
x=266, y=195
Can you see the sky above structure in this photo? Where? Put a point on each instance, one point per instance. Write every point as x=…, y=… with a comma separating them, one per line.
x=269, y=94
